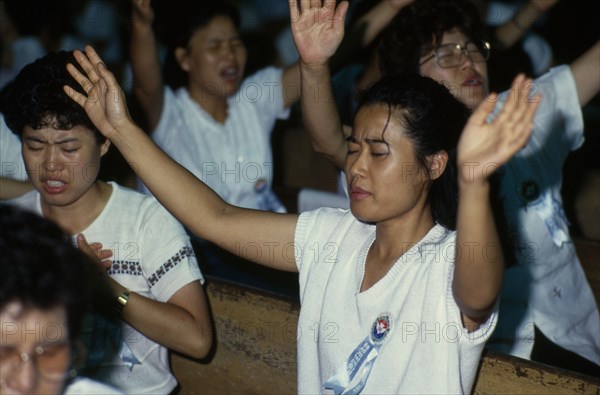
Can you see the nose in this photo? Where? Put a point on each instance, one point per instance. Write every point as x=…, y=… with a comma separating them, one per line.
x=229, y=51
x=23, y=378
x=51, y=160
x=465, y=58
x=356, y=164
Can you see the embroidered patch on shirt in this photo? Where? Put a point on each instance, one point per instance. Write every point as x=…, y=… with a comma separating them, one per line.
x=185, y=252
x=132, y=268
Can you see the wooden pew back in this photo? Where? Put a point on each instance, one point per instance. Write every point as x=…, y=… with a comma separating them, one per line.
x=255, y=349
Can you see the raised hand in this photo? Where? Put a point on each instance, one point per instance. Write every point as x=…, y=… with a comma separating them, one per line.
x=317, y=29
x=104, y=101
x=483, y=146
x=142, y=12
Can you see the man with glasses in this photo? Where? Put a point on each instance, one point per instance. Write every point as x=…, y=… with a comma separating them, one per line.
x=44, y=294
x=546, y=297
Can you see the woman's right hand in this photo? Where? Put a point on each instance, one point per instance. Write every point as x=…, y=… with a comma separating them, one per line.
x=317, y=29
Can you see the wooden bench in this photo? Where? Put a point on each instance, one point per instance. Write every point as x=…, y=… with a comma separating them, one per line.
x=255, y=350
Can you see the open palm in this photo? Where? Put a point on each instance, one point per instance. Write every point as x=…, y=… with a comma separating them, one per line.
x=317, y=29
x=485, y=146
x=104, y=101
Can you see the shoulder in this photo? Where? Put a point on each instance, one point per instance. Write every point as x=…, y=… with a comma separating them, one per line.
x=267, y=75
x=323, y=222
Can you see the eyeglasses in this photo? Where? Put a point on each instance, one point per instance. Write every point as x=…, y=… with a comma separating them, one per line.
x=52, y=361
x=450, y=55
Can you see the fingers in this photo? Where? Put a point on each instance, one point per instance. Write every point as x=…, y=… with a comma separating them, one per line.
x=294, y=13
x=87, y=66
x=341, y=11
x=484, y=109
x=513, y=100
x=304, y=5
x=74, y=95
x=83, y=245
x=93, y=55
x=94, y=251
x=329, y=4
x=107, y=76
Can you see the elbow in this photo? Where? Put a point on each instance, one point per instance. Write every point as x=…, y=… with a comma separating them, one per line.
x=477, y=305
x=199, y=345
x=476, y=311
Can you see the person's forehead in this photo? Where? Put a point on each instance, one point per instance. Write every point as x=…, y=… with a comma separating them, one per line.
x=51, y=132
x=373, y=121
x=21, y=323
x=454, y=36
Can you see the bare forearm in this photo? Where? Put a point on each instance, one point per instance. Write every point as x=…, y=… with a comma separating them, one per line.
x=147, y=78
x=320, y=114
x=374, y=21
x=510, y=32
x=366, y=29
x=177, y=189
x=10, y=189
x=587, y=75
x=479, y=262
x=202, y=211
x=169, y=325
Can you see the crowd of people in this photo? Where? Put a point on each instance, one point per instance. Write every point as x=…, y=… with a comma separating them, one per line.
x=455, y=215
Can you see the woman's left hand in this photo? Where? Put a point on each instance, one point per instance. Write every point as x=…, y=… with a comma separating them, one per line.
x=104, y=101
x=484, y=147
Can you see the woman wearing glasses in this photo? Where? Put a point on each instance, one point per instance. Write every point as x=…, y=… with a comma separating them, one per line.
x=546, y=295
x=45, y=290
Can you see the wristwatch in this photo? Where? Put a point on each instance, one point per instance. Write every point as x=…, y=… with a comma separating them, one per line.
x=121, y=301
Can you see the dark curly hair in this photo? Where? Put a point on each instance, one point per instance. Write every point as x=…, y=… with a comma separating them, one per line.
x=433, y=121
x=419, y=27
x=40, y=267
x=35, y=98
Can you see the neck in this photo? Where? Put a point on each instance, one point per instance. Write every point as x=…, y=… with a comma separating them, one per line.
x=211, y=102
x=77, y=216
x=395, y=237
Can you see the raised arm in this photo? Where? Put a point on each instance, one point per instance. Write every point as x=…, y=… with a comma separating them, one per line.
x=587, y=75
x=317, y=32
x=511, y=31
x=143, y=53
x=366, y=29
x=483, y=147
x=263, y=237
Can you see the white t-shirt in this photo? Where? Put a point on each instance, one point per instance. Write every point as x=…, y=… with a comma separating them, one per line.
x=234, y=159
x=152, y=256
x=427, y=350
x=85, y=386
x=547, y=287
x=11, y=159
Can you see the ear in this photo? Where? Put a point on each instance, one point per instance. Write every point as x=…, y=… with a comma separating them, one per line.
x=104, y=147
x=182, y=58
x=437, y=164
